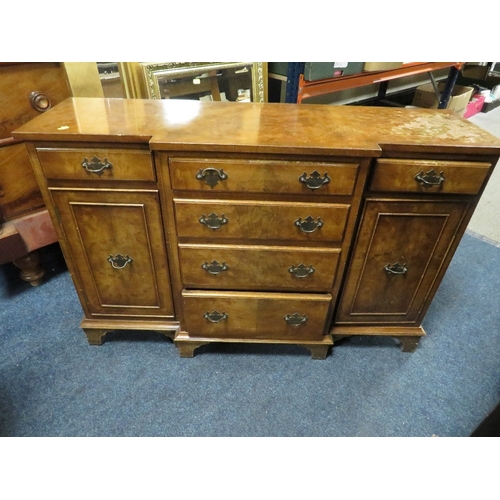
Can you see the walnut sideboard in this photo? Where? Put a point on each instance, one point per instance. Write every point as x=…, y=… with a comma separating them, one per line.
x=257, y=222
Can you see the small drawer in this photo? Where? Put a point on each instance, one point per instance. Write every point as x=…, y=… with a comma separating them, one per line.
x=426, y=176
x=254, y=220
x=249, y=315
x=263, y=176
x=248, y=267
x=97, y=164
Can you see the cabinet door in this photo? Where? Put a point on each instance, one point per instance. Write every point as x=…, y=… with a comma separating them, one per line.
x=400, y=251
x=116, y=241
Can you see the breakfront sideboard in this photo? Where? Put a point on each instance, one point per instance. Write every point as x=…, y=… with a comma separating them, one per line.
x=257, y=222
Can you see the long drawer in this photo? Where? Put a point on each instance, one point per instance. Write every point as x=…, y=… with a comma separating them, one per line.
x=252, y=267
x=97, y=164
x=255, y=315
x=428, y=176
x=253, y=220
x=263, y=176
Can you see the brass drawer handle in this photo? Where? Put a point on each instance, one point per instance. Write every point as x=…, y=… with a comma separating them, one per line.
x=214, y=267
x=309, y=225
x=314, y=181
x=295, y=319
x=213, y=221
x=40, y=101
x=396, y=268
x=215, y=316
x=430, y=178
x=301, y=271
x=211, y=176
x=95, y=165
x=119, y=261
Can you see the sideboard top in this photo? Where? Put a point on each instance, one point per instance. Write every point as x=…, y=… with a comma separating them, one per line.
x=258, y=127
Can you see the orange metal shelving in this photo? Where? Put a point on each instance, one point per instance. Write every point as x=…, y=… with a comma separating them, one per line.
x=308, y=89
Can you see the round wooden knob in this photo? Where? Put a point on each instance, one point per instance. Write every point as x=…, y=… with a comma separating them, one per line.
x=40, y=101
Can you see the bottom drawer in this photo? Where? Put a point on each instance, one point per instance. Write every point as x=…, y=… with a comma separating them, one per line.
x=244, y=315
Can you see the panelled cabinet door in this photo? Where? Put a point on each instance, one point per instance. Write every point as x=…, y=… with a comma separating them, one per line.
x=401, y=248
x=115, y=241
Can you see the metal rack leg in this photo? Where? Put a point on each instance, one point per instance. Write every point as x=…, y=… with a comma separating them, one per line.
x=294, y=71
x=448, y=89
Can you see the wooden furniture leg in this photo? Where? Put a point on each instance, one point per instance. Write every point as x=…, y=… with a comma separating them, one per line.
x=408, y=344
x=31, y=269
x=95, y=336
x=186, y=349
x=318, y=351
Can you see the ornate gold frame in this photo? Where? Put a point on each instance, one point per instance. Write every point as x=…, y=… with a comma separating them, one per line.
x=152, y=71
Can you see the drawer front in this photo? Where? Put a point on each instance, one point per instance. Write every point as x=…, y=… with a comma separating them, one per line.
x=422, y=176
x=260, y=220
x=262, y=176
x=96, y=164
x=255, y=315
x=231, y=267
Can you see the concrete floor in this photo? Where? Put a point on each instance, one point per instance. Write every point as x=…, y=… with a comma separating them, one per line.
x=485, y=222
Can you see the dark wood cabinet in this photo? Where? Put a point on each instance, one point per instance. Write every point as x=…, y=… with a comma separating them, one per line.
x=26, y=91
x=257, y=223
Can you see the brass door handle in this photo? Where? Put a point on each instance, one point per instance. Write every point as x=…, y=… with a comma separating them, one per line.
x=314, y=181
x=396, y=268
x=211, y=176
x=119, y=261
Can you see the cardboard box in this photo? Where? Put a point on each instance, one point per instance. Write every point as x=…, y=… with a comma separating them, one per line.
x=475, y=72
x=426, y=98
x=475, y=105
x=278, y=68
x=381, y=66
x=322, y=70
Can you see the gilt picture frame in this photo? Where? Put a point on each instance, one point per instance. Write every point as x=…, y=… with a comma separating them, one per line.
x=217, y=81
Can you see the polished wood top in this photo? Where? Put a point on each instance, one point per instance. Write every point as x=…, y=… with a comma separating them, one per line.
x=259, y=127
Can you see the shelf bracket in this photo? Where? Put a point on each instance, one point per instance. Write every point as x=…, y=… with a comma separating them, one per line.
x=434, y=84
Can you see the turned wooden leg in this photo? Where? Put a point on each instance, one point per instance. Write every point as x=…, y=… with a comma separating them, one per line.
x=408, y=344
x=186, y=349
x=31, y=269
x=317, y=351
x=95, y=336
